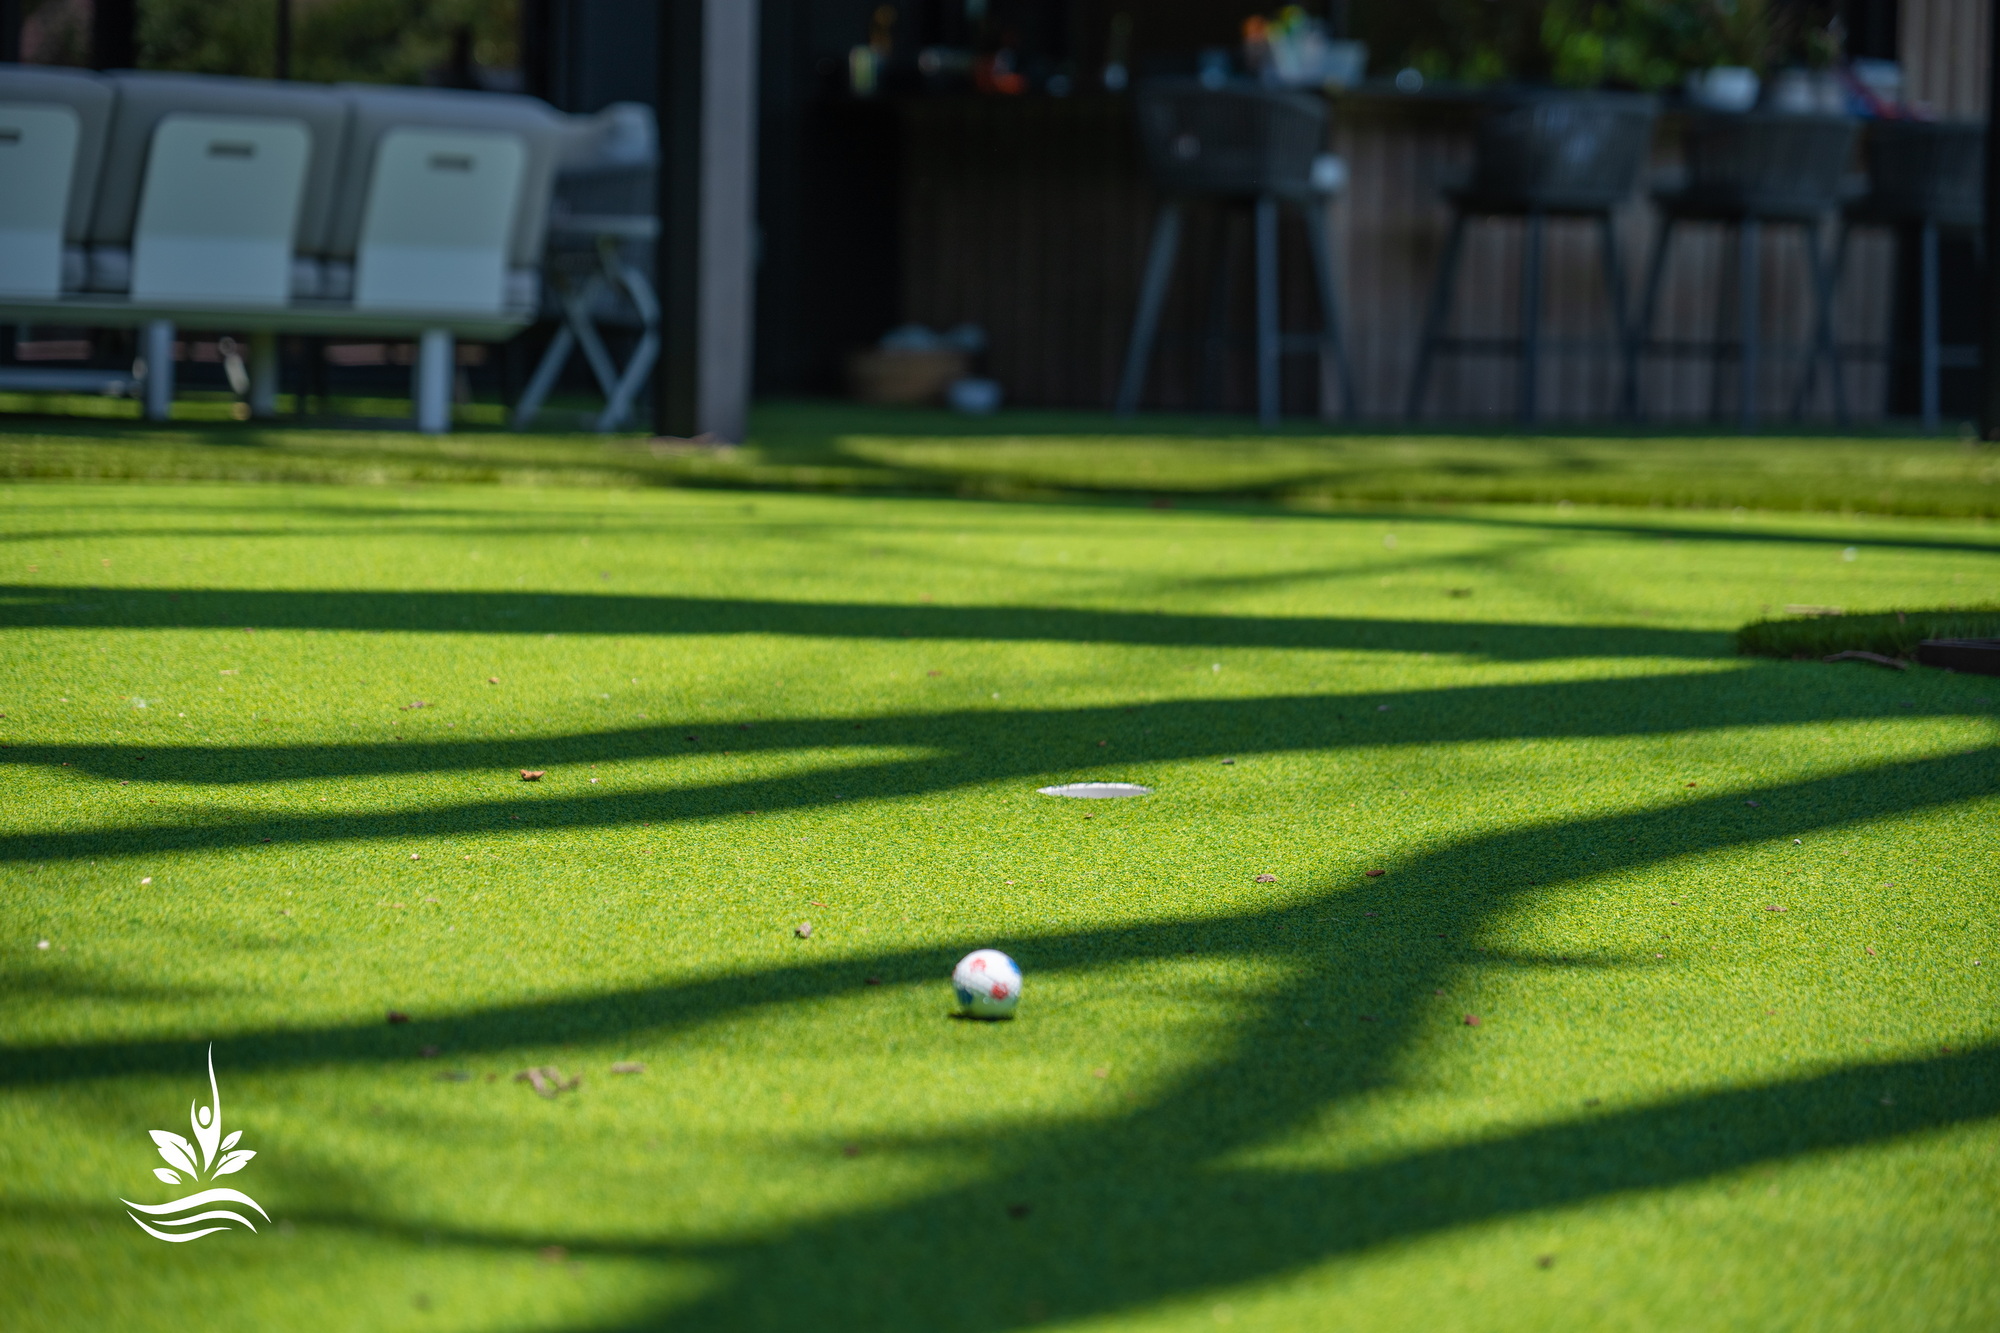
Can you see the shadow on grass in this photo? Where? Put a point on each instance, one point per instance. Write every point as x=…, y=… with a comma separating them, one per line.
x=37, y=607
x=968, y=748
x=1127, y=1210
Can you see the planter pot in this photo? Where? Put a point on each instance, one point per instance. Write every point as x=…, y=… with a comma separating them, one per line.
x=1724, y=88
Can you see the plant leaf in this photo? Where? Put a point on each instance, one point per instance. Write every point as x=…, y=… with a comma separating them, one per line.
x=176, y=1150
x=166, y=1175
x=230, y=1142
x=233, y=1162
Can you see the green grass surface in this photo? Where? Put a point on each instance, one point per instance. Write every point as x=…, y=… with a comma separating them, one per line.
x=1227, y=1101
x=840, y=447
x=1890, y=633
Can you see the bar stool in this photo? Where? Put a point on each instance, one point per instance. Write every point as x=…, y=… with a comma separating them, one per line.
x=1746, y=171
x=1567, y=155
x=1928, y=177
x=1239, y=146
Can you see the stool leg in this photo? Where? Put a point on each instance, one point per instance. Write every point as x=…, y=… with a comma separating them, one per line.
x=1823, y=279
x=1435, y=317
x=1642, y=330
x=1531, y=318
x=1751, y=257
x=1152, y=298
x=1614, y=283
x=1928, y=314
x=1215, y=337
x=1267, y=310
x=1333, y=345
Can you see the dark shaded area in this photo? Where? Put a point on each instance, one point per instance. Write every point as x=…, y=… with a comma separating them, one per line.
x=25, y=606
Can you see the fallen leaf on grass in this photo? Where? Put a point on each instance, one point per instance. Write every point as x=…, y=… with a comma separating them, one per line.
x=628, y=1067
x=553, y=1254
x=398, y=1016
x=1472, y=1020
x=533, y=774
x=1375, y=874
x=803, y=930
x=1267, y=879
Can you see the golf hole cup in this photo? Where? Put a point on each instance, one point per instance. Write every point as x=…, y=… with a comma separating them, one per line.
x=987, y=983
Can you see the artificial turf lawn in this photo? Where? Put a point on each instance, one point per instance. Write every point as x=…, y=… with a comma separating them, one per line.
x=1226, y=1101
x=843, y=447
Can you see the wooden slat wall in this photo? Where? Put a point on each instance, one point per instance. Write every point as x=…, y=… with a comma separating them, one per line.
x=1943, y=45
x=1031, y=217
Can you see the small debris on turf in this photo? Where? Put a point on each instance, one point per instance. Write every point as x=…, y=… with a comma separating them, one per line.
x=850, y=1150
x=1472, y=1020
x=1870, y=952
x=548, y=1080
x=533, y=774
x=1545, y=1261
x=1774, y=908
x=1100, y=1073
x=428, y=1052
x=1753, y=804
x=414, y=856
x=493, y=680
x=398, y=1016
x=417, y=703
x=147, y=880
x=872, y=981
x=1229, y=761
x=553, y=1254
x=41, y=944
x=1267, y=879
x=453, y=1076
x=803, y=930
x=1375, y=874
x=628, y=1067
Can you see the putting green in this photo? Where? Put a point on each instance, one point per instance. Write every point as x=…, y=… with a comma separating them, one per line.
x=1727, y=925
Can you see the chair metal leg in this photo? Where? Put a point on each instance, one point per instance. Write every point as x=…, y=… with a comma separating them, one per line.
x=1333, y=346
x=1152, y=299
x=1642, y=329
x=1434, y=318
x=1928, y=363
x=618, y=402
x=157, y=351
x=1748, y=257
x=433, y=381
x=264, y=366
x=1530, y=368
x=1267, y=311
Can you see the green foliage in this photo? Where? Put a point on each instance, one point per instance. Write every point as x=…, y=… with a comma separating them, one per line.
x=1890, y=633
x=1642, y=44
x=367, y=41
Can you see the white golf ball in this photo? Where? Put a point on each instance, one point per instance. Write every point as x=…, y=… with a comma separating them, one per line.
x=988, y=984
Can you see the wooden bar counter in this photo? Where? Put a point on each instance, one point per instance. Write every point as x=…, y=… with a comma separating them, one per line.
x=1030, y=216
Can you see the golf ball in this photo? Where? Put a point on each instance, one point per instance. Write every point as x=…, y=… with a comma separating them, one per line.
x=988, y=984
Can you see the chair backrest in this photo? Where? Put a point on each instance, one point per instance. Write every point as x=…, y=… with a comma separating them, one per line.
x=146, y=99
x=1563, y=151
x=1768, y=164
x=31, y=143
x=1928, y=170
x=219, y=210
x=440, y=207
x=380, y=111
x=1230, y=140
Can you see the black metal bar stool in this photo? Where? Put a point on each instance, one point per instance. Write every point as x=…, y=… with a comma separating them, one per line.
x=1238, y=146
x=1563, y=155
x=1927, y=178
x=1747, y=171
